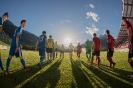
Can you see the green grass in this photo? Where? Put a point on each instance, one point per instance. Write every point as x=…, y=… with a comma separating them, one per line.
x=66, y=73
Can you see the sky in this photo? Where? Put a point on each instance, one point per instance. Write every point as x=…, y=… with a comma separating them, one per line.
x=66, y=20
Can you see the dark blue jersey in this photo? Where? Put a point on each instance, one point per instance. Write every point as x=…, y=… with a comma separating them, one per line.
x=17, y=31
x=41, y=41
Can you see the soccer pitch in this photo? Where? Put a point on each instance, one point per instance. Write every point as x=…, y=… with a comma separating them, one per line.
x=66, y=72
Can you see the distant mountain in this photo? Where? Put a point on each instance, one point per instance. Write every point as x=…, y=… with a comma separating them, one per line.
x=103, y=40
x=27, y=37
x=5, y=38
x=83, y=45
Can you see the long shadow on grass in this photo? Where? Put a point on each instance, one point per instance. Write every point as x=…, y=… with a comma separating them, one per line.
x=80, y=78
x=120, y=73
x=109, y=78
x=48, y=78
x=117, y=70
x=10, y=81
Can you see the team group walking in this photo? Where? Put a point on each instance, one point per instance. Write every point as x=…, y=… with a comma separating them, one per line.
x=47, y=47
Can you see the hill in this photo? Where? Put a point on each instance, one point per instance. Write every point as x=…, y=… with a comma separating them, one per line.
x=103, y=40
x=4, y=38
x=27, y=37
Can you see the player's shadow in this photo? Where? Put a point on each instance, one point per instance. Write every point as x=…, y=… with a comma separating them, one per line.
x=13, y=80
x=79, y=76
x=116, y=70
x=113, y=80
x=48, y=78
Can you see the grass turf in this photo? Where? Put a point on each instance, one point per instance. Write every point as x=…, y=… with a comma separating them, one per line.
x=66, y=72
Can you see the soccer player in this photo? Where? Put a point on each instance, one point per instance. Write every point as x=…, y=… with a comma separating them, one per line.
x=88, y=46
x=129, y=29
x=96, y=50
x=2, y=19
x=55, y=49
x=110, y=42
x=71, y=48
x=40, y=44
x=15, y=48
x=50, y=49
x=79, y=49
x=62, y=49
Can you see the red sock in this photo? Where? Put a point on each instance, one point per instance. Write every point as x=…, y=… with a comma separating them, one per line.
x=111, y=62
x=98, y=58
x=131, y=63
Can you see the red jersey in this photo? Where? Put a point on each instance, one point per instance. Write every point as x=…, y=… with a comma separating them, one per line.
x=128, y=25
x=111, y=42
x=97, y=43
x=79, y=48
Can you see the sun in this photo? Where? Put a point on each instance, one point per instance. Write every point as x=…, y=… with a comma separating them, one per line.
x=67, y=40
